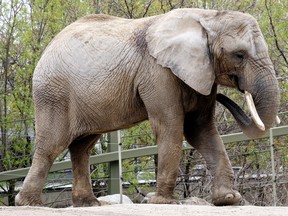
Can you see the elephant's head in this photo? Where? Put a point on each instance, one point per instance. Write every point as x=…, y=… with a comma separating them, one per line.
x=206, y=47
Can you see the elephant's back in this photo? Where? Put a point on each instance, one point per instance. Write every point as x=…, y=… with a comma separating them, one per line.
x=86, y=57
x=100, y=25
x=93, y=42
x=98, y=18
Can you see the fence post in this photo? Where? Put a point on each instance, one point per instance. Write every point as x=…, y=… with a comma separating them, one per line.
x=120, y=165
x=113, y=181
x=274, y=193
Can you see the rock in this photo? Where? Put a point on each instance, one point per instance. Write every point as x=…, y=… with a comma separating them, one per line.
x=188, y=201
x=148, y=197
x=115, y=199
x=195, y=201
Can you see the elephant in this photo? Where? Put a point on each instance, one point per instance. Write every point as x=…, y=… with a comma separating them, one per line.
x=103, y=73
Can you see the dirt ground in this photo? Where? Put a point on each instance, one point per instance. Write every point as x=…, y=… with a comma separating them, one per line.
x=146, y=210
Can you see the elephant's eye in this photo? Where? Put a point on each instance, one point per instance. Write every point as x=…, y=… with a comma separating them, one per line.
x=239, y=56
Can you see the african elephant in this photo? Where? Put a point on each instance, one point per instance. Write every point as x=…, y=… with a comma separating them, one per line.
x=104, y=73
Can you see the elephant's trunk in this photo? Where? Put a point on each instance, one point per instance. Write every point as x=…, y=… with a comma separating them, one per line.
x=265, y=95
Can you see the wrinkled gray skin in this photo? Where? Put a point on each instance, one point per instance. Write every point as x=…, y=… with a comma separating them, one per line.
x=104, y=73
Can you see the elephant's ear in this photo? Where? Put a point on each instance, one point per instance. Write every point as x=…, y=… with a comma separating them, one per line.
x=179, y=42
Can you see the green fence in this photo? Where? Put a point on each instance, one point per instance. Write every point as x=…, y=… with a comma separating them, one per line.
x=113, y=157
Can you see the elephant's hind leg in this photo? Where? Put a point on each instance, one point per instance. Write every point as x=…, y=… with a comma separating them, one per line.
x=49, y=144
x=80, y=150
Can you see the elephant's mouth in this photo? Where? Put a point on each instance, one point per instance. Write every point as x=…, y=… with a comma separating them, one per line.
x=235, y=80
x=230, y=81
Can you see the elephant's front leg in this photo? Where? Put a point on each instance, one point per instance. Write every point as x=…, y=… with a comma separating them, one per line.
x=208, y=142
x=169, y=141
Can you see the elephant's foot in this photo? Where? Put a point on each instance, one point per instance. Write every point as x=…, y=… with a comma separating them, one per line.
x=156, y=199
x=87, y=201
x=27, y=199
x=224, y=196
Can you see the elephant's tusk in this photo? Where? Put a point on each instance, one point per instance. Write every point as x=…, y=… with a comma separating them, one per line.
x=253, y=111
x=278, y=121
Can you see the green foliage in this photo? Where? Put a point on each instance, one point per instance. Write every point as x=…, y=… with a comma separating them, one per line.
x=139, y=168
x=138, y=136
x=100, y=171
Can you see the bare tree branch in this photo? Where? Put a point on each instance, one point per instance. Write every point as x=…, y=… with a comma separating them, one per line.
x=129, y=11
x=147, y=8
x=274, y=34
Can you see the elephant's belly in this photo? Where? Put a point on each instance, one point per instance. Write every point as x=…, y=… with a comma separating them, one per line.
x=110, y=119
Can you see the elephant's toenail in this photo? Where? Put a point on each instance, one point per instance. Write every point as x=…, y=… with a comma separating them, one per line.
x=229, y=196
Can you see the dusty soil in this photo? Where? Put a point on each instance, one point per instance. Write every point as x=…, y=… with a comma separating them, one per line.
x=146, y=210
